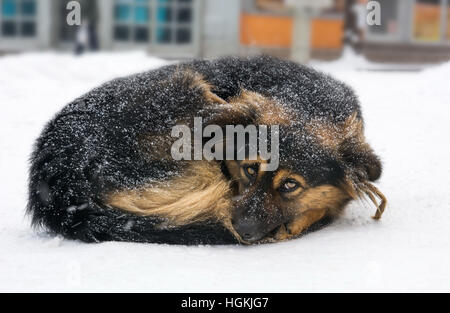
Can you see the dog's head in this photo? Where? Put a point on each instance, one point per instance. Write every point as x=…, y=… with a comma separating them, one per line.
x=322, y=165
x=308, y=177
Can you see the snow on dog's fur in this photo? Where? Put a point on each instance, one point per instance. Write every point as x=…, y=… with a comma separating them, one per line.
x=102, y=170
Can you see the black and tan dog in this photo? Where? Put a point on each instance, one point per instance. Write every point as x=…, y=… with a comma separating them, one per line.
x=102, y=168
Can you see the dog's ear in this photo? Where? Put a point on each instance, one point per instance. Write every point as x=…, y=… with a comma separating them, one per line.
x=230, y=114
x=360, y=156
x=372, y=164
x=194, y=81
x=356, y=151
x=249, y=108
x=348, y=141
x=234, y=112
x=215, y=110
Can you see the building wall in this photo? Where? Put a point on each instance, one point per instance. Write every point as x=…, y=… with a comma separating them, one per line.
x=224, y=27
x=416, y=33
x=220, y=27
x=273, y=34
x=266, y=31
x=327, y=33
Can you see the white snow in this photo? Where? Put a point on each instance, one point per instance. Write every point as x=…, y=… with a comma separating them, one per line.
x=407, y=122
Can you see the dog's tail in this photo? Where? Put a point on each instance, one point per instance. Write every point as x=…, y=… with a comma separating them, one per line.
x=64, y=199
x=90, y=221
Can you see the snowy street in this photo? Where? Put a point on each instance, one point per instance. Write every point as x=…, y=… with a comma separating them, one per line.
x=407, y=116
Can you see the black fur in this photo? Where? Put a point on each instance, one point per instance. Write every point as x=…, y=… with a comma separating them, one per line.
x=92, y=146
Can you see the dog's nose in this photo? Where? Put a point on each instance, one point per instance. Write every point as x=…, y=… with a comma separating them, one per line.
x=249, y=230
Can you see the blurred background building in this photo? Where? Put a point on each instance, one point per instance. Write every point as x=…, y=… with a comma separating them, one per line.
x=410, y=30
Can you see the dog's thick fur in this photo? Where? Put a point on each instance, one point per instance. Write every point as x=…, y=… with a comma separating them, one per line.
x=102, y=170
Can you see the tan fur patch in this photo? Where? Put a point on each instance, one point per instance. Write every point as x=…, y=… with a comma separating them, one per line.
x=332, y=135
x=199, y=82
x=326, y=197
x=233, y=169
x=311, y=206
x=200, y=193
x=300, y=224
x=194, y=80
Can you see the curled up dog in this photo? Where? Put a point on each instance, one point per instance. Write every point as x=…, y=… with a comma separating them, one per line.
x=234, y=150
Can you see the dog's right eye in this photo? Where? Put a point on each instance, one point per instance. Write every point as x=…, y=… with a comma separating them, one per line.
x=289, y=185
x=251, y=171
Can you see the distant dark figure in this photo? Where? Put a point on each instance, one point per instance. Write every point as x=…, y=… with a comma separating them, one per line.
x=86, y=38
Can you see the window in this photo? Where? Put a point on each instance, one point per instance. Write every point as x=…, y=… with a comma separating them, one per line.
x=173, y=21
x=18, y=18
x=427, y=20
x=153, y=21
x=447, y=33
x=131, y=20
x=431, y=21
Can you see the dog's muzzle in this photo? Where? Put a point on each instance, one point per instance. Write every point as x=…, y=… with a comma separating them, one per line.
x=249, y=229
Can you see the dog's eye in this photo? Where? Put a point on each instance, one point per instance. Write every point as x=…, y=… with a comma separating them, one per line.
x=289, y=185
x=251, y=171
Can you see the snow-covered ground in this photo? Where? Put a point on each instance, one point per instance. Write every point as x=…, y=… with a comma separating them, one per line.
x=407, y=122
